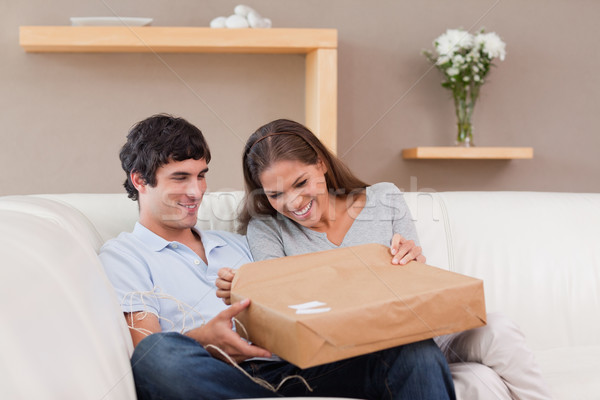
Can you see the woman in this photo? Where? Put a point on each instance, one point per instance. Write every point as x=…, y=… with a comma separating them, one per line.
x=300, y=198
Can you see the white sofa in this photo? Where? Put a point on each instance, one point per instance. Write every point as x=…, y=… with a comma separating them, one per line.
x=63, y=336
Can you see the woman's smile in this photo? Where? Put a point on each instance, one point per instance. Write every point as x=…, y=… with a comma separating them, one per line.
x=303, y=212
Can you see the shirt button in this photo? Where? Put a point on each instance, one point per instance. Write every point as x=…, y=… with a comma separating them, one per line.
x=174, y=245
x=196, y=262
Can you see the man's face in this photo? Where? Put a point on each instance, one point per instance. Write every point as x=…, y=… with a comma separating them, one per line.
x=172, y=204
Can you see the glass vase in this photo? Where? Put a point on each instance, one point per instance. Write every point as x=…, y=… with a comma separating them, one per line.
x=465, y=133
x=464, y=110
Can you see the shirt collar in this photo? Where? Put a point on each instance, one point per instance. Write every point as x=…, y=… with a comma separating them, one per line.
x=210, y=240
x=155, y=242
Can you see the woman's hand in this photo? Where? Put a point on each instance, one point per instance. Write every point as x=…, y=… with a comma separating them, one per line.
x=404, y=250
x=225, y=277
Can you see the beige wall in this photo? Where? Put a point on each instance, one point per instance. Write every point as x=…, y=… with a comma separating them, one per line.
x=65, y=116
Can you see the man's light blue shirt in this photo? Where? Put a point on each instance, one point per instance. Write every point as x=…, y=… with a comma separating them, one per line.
x=168, y=279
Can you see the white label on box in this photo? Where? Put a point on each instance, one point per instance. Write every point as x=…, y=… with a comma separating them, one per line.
x=313, y=310
x=310, y=304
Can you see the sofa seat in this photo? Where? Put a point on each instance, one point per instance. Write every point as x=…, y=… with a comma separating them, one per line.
x=572, y=372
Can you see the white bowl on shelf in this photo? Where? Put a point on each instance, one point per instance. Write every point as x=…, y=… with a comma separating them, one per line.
x=110, y=21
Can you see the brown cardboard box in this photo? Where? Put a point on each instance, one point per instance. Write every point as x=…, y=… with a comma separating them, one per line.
x=366, y=303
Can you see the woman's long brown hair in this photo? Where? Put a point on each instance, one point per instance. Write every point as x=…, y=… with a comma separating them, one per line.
x=284, y=139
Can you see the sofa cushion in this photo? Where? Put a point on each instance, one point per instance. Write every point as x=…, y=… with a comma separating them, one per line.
x=61, y=329
x=538, y=255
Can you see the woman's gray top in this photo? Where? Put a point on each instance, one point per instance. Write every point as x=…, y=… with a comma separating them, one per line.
x=384, y=214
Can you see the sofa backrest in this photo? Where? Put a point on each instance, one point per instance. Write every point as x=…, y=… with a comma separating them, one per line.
x=103, y=216
x=538, y=255
x=111, y=214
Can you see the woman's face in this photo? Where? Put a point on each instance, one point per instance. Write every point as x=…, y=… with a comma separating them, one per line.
x=297, y=190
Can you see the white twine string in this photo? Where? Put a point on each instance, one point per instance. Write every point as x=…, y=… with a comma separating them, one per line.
x=259, y=381
x=238, y=323
x=188, y=311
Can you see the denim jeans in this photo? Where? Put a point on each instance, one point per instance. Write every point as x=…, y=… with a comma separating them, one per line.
x=173, y=366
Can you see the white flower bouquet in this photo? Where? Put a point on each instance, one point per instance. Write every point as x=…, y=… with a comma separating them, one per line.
x=465, y=60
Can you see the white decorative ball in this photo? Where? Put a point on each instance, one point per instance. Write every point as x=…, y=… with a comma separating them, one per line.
x=236, y=21
x=255, y=20
x=242, y=10
x=218, y=22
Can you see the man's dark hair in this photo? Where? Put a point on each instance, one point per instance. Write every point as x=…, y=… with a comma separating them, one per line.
x=156, y=141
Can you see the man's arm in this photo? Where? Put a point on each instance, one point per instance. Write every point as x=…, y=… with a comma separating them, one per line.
x=217, y=332
x=141, y=324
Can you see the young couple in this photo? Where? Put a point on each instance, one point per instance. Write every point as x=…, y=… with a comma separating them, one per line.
x=300, y=198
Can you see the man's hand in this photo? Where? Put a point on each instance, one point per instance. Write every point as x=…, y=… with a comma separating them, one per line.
x=224, y=284
x=404, y=250
x=218, y=332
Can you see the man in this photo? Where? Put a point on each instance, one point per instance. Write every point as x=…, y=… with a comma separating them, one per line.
x=165, y=272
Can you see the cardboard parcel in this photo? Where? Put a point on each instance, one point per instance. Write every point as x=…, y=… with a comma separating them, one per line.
x=321, y=307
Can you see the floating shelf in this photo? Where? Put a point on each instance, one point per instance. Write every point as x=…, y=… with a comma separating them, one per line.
x=159, y=39
x=319, y=45
x=467, y=153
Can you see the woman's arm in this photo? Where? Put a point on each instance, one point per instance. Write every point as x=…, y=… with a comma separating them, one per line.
x=223, y=283
x=265, y=239
x=404, y=246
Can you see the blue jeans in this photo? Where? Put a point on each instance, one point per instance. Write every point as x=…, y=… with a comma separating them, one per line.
x=173, y=366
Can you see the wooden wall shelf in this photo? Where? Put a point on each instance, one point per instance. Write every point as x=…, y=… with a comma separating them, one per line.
x=467, y=153
x=319, y=45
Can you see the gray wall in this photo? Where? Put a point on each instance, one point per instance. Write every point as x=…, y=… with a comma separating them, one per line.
x=65, y=116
